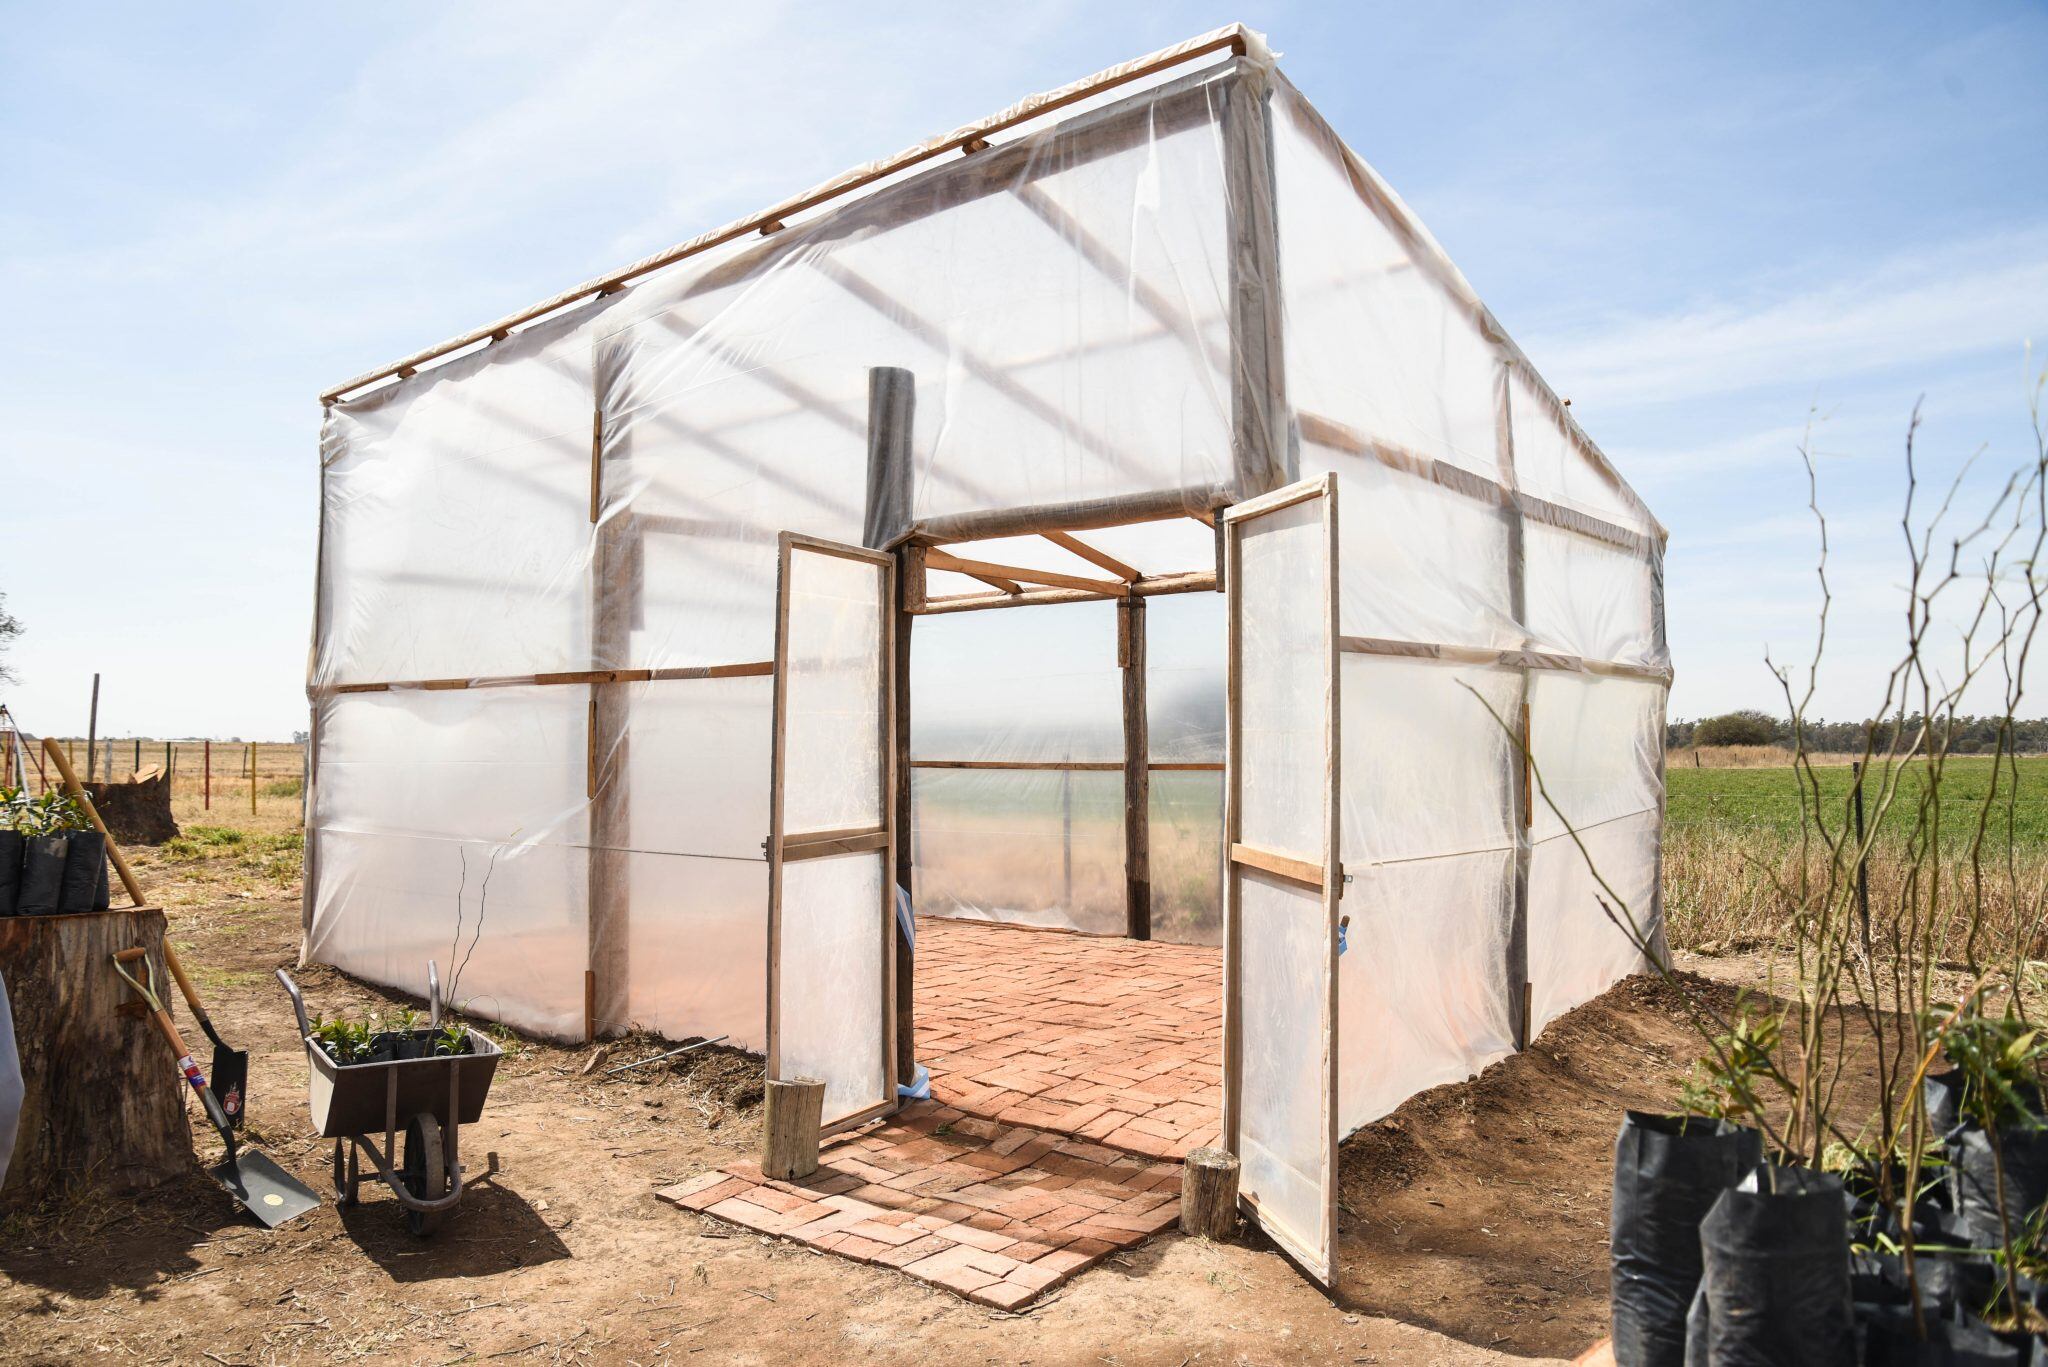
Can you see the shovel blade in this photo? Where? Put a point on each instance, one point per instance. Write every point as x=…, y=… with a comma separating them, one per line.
x=230, y=1083
x=263, y=1188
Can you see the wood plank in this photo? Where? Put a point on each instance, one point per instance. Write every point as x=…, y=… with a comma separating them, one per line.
x=1155, y=586
x=795, y=848
x=1303, y=871
x=943, y=560
x=1102, y=560
x=1078, y=766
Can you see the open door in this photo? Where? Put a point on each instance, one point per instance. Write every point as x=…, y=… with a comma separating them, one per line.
x=831, y=842
x=1283, y=879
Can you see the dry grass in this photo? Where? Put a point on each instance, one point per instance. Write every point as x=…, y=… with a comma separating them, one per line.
x=1726, y=889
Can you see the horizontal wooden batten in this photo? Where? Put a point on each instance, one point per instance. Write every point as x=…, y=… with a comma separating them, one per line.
x=1514, y=659
x=935, y=559
x=1279, y=865
x=752, y=669
x=824, y=844
x=1065, y=766
x=1194, y=581
x=1337, y=436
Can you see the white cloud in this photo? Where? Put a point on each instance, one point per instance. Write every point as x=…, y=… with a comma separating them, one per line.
x=1984, y=295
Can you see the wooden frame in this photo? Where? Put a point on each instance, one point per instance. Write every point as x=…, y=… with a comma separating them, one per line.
x=1315, y=1251
x=863, y=842
x=1234, y=38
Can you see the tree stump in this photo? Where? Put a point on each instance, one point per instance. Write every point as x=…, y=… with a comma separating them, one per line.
x=137, y=809
x=1208, y=1194
x=789, y=1131
x=102, y=1103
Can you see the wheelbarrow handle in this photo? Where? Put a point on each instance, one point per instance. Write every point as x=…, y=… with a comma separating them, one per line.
x=298, y=1002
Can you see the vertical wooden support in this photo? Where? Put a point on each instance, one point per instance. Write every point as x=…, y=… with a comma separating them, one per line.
x=1130, y=653
x=1515, y=975
x=614, y=596
x=892, y=416
x=1263, y=456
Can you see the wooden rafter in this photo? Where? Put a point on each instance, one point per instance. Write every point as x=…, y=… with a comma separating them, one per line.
x=1099, y=559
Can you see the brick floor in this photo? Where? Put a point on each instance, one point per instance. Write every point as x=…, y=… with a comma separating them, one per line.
x=997, y=1213
x=1115, y=1041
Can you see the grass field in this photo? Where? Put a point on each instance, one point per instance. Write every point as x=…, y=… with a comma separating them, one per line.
x=1766, y=800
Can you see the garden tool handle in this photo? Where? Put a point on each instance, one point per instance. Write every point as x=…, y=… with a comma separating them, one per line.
x=187, y=1067
x=298, y=1003
x=190, y=994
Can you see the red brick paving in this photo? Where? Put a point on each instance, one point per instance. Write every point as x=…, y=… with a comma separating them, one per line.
x=997, y=1213
x=1115, y=1041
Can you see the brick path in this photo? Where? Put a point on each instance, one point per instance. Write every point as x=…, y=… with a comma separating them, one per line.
x=997, y=1213
x=1111, y=1040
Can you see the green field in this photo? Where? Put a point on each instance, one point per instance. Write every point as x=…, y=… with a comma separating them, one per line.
x=1768, y=799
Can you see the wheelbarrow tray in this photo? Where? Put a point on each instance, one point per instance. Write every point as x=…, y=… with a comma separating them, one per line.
x=356, y=1098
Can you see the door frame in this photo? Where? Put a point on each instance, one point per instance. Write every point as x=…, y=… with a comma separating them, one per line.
x=1326, y=877
x=880, y=840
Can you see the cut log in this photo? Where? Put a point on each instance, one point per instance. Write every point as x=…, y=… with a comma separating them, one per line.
x=789, y=1131
x=1208, y=1194
x=103, y=1103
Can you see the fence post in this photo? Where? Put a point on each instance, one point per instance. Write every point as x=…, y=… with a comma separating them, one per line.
x=252, y=778
x=207, y=755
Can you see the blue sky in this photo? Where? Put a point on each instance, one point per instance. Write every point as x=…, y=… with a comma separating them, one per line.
x=1704, y=224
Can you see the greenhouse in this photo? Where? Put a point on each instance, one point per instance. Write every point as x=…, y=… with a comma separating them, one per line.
x=1116, y=517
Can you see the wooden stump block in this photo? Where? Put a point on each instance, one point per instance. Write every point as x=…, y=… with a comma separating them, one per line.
x=1208, y=1194
x=102, y=1103
x=789, y=1132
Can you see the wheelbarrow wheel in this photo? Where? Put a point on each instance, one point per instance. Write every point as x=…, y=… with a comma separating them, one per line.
x=344, y=1189
x=424, y=1173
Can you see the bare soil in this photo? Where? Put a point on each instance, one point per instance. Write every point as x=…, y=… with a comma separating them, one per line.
x=1474, y=1218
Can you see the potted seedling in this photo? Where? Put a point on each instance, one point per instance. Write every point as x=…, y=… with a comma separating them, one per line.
x=49, y=826
x=12, y=842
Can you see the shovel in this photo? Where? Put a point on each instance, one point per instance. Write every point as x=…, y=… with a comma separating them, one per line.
x=257, y=1183
x=230, y=1082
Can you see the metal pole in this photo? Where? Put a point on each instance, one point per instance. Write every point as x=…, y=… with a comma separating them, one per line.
x=207, y=753
x=252, y=778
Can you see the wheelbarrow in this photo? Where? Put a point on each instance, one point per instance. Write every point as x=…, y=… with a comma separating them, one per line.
x=428, y=1100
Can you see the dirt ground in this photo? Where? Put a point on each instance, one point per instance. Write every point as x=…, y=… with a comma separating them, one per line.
x=1474, y=1218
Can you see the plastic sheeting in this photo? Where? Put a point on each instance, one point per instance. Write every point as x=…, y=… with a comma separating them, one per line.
x=1079, y=307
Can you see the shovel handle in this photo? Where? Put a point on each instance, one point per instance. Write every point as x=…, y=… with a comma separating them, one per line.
x=186, y=990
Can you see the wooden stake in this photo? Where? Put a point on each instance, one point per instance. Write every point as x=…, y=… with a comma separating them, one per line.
x=92, y=728
x=252, y=779
x=1208, y=1194
x=78, y=794
x=789, y=1129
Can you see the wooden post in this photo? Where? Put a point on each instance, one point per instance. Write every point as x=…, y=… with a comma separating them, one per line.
x=92, y=728
x=1262, y=452
x=615, y=591
x=789, y=1128
x=892, y=416
x=1516, y=971
x=84, y=801
x=1208, y=1194
x=1137, y=771
x=252, y=778
x=207, y=755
